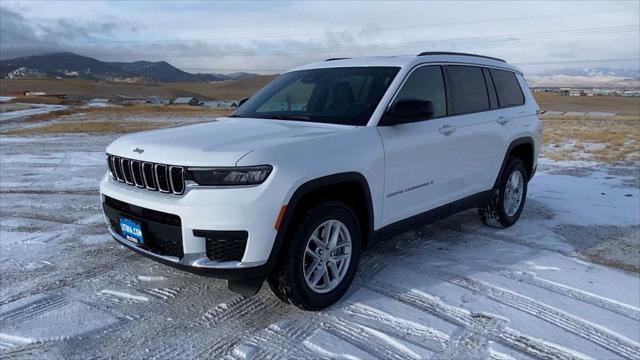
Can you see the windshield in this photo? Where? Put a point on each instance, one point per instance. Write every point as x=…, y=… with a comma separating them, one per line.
x=346, y=96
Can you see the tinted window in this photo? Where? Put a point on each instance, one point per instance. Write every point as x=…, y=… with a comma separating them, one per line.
x=426, y=83
x=346, y=95
x=507, y=87
x=468, y=90
x=493, y=99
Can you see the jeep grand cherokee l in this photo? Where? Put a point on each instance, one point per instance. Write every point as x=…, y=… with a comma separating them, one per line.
x=327, y=157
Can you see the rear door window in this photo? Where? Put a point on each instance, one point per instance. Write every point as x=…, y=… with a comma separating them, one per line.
x=468, y=89
x=507, y=88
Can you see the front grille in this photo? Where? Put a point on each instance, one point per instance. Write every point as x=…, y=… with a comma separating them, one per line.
x=144, y=213
x=224, y=245
x=162, y=232
x=142, y=174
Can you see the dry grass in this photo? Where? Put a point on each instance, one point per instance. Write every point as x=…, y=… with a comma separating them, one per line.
x=226, y=90
x=49, y=100
x=148, y=109
x=114, y=119
x=615, y=104
x=91, y=128
x=133, y=110
x=88, y=89
x=609, y=140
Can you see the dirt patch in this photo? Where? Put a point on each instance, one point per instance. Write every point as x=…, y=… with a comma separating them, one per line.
x=613, y=246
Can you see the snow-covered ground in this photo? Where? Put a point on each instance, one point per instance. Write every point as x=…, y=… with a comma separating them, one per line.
x=40, y=109
x=549, y=287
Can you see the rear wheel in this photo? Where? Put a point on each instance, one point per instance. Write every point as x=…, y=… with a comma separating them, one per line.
x=322, y=259
x=509, y=198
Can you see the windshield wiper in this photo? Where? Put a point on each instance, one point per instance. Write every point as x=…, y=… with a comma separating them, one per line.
x=290, y=117
x=234, y=116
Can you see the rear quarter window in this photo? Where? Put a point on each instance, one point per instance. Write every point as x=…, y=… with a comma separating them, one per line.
x=507, y=88
x=468, y=89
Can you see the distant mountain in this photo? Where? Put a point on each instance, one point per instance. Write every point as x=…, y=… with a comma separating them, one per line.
x=587, y=77
x=67, y=64
x=627, y=73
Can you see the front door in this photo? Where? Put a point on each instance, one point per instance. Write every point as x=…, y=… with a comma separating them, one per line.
x=418, y=154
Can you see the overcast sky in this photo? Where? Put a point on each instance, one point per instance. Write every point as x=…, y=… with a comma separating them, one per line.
x=268, y=37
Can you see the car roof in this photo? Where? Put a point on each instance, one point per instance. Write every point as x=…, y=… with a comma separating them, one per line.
x=409, y=61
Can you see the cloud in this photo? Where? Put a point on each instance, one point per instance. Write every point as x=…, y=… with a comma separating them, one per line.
x=263, y=36
x=21, y=36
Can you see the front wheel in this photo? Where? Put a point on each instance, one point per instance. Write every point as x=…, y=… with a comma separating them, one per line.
x=509, y=198
x=322, y=259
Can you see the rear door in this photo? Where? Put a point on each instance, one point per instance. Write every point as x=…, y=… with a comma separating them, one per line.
x=479, y=136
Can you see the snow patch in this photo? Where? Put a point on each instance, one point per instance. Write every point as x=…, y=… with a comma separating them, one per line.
x=124, y=295
x=43, y=109
x=152, y=278
x=587, y=200
x=331, y=346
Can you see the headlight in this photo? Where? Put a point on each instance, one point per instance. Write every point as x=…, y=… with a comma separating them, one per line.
x=223, y=176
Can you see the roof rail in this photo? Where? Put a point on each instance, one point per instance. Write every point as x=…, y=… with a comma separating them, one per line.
x=333, y=59
x=457, y=53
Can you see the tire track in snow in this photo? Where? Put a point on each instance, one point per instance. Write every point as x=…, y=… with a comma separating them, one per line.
x=238, y=309
x=57, y=280
x=163, y=294
x=366, y=339
x=474, y=321
x=284, y=338
x=33, y=309
x=601, y=302
x=382, y=321
x=236, y=316
x=8, y=343
x=250, y=352
x=467, y=345
x=120, y=297
x=603, y=337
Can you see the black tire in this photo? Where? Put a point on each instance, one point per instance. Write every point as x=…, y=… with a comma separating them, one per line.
x=287, y=280
x=495, y=214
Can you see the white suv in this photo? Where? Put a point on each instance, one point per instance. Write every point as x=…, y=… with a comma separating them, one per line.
x=327, y=157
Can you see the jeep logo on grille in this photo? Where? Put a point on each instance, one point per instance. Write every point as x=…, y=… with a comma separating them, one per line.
x=138, y=150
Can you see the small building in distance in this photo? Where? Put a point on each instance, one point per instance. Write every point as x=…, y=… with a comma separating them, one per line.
x=43, y=93
x=185, y=100
x=222, y=104
x=25, y=72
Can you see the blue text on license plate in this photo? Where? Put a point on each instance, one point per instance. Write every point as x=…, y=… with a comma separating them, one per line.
x=131, y=230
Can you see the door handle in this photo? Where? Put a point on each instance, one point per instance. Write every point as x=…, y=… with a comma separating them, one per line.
x=502, y=120
x=447, y=130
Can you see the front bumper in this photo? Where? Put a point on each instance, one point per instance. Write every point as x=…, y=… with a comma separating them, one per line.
x=200, y=211
x=197, y=264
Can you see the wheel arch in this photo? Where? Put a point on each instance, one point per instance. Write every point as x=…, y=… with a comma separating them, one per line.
x=313, y=191
x=522, y=148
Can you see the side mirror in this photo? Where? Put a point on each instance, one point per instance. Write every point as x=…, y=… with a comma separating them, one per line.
x=242, y=101
x=408, y=111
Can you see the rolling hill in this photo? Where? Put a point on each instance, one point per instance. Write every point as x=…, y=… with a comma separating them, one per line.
x=68, y=64
x=88, y=89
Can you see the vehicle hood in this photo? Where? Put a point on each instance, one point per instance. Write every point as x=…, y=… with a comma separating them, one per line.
x=221, y=142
